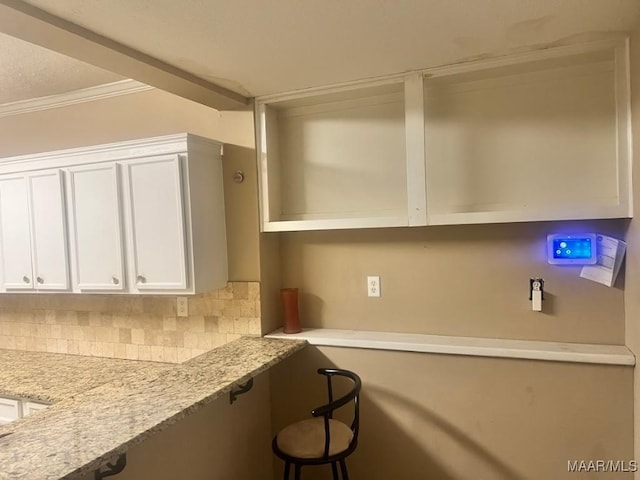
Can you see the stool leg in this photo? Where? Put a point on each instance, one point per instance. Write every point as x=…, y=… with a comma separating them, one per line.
x=334, y=471
x=343, y=469
x=296, y=475
x=287, y=465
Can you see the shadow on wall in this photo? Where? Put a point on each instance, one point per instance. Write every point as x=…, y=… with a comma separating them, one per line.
x=241, y=212
x=387, y=449
x=313, y=307
x=432, y=236
x=395, y=449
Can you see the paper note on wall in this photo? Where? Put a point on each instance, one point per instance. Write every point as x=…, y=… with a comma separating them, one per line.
x=610, y=253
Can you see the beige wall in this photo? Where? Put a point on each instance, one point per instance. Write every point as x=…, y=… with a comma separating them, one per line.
x=446, y=417
x=458, y=280
x=632, y=299
x=142, y=327
x=241, y=213
x=456, y=417
x=219, y=442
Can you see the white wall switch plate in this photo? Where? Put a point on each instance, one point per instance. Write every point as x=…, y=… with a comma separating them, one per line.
x=373, y=286
x=182, y=307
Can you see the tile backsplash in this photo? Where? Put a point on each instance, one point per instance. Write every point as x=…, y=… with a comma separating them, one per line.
x=129, y=326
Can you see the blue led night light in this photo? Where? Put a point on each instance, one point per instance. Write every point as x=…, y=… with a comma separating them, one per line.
x=565, y=249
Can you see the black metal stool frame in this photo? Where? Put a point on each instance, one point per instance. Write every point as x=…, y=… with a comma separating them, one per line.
x=326, y=411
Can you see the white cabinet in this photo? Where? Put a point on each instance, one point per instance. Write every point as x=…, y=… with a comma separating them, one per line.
x=33, y=232
x=537, y=136
x=174, y=218
x=156, y=223
x=173, y=211
x=29, y=407
x=144, y=216
x=10, y=410
x=96, y=226
x=14, y=408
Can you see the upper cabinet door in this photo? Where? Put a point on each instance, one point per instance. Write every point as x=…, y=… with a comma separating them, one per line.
x=15, y=236
x=48, y=227
x=156, y=223
x=96, y=227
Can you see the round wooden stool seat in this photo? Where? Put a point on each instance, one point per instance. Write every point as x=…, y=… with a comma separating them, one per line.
x=306, y=439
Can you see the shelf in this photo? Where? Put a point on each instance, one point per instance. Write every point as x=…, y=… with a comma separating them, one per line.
x=538, y=136
x=323, y=155
x=534, y=140
x=472, y=346
x=335, y=223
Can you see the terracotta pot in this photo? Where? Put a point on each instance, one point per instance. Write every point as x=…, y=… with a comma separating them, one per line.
x=291, y=322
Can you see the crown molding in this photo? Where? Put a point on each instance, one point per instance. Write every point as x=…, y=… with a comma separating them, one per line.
x=90, y=94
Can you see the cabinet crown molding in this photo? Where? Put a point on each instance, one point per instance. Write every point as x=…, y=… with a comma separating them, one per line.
x=108, y=152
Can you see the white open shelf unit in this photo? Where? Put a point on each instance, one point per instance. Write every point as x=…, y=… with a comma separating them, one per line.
x=471, y=346
x=543, y=135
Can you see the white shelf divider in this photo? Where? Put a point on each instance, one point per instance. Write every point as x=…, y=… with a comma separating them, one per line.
x=472, y=346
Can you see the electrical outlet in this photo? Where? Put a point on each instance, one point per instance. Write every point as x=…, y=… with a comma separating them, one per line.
x=182, y=307
x=373, y=286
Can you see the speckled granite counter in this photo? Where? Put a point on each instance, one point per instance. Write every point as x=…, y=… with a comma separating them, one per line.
x=104, y=406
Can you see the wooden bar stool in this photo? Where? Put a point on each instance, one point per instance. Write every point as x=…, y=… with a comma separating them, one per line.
x=322, y=439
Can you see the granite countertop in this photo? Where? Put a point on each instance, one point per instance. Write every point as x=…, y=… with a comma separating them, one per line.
x=101, y=406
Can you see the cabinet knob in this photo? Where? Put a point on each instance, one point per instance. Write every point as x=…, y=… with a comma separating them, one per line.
x=115, y=280
x=40, y=279
x=26, y=279
x=141, y=279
